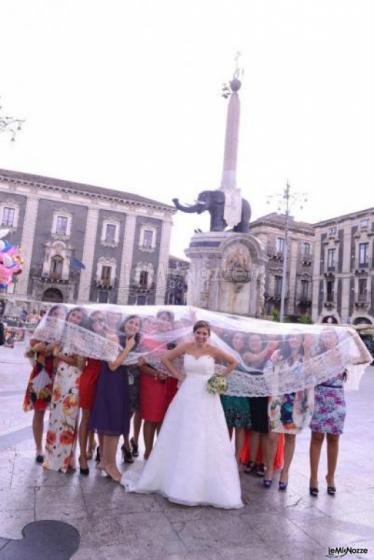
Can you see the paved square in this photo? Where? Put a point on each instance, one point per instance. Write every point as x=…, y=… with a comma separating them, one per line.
x=114, y=525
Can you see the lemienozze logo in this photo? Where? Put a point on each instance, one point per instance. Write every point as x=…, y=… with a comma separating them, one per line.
x=340, y=551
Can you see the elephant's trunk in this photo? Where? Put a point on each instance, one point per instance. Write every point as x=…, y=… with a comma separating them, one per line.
x=190, y=209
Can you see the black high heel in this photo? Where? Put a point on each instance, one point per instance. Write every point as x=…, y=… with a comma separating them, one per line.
x=39, y=459
x=84, y=472
x=331, y=490
x=134, y=447
x=127, y=455
x=313, y=492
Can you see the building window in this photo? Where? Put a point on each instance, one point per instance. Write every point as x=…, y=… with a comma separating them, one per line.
x=278, y=286
x=330, y=290
x=363, y=254
x=280, y=245
x=61, y=225
x=102, y=296
x=110, y=233
x=306, y=248
x=331, y=258
x=8, y=216
x=364, y=223
x=57, y=264
x=144, y=275
x=143, y=279
x=106, y=273
x=304, y=289
x=362, y=287
x=147, y=239
x=332, y=230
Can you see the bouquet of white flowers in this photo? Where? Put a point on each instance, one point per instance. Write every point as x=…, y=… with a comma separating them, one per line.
x=216, y=384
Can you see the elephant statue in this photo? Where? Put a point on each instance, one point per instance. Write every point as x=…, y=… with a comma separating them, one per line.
x=214, y=202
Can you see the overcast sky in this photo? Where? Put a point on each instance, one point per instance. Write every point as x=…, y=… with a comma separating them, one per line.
x=127, y=94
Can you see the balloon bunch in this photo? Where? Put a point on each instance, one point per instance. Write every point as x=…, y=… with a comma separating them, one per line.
x=11, y=260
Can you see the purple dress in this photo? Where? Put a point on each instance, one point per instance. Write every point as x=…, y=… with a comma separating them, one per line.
x=111, y=412
x=329, y=407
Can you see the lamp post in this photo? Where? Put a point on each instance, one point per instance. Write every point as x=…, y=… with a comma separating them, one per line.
x=285, y=200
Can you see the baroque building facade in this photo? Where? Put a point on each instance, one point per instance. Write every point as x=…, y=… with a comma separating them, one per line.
x=84, y=243
x=343, y=270
x=270, y=230
x=330, y=268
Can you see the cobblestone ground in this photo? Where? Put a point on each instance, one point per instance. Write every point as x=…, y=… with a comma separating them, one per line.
x=112, y=524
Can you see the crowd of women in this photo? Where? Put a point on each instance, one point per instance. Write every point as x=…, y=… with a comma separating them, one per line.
x=110, y=394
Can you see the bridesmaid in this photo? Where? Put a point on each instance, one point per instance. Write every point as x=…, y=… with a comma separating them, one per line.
x=157, y=389
x=111, y=412
x=63, y=420
x=288, y=413
x=328, y=416
x=87, y=390
x=255, y=357
x=39, y=388
x=236, y=409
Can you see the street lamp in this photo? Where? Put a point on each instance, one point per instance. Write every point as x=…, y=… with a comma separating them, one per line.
x=11, y=125
x=285, y=201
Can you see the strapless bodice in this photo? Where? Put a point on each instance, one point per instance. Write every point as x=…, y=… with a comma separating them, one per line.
x=201, y=365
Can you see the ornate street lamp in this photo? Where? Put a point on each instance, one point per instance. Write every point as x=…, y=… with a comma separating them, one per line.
x=285, y=201
x=10, y=125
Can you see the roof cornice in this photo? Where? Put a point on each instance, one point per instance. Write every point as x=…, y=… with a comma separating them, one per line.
x=90, y=191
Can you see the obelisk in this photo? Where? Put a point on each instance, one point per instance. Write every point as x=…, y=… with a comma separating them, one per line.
x=233, y=201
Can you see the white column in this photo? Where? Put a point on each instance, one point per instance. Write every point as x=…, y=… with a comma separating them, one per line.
x=28, y=233
x=316, y=275
x=126, y=260
x=163, y=263
x=88, y=255
x=346, y=270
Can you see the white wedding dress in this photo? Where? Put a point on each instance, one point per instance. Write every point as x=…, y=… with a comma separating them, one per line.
x=192, y=462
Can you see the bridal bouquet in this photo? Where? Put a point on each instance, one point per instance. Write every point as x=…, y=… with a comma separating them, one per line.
x=216, y=384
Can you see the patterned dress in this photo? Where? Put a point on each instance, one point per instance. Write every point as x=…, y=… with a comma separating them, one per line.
x=329, y=407
x=63, y=420
x=39, y=388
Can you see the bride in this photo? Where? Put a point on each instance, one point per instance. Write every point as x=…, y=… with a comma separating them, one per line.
x=193, y=462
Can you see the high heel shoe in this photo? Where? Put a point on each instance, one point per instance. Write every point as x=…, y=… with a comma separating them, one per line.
x=282, y=486
x=313, y=492
x=267, y=483
x=39, y=458
x=250, y=467
x=331, y=490
x=84, y=471
x=127, y=455
x=134, y=447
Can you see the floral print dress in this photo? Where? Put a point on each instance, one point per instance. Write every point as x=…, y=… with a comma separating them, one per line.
x=329, y=408
x=63, y=420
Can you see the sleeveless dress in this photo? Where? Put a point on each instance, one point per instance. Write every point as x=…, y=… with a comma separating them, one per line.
x=63, y=419
x=329, y=407
x=192, y=462
x=110, y=415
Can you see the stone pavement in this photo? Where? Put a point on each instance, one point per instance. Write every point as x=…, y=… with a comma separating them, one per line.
x=114, y=525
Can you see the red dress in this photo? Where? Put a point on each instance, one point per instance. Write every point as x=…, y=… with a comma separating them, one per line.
x=155, y=394
x=88, y=383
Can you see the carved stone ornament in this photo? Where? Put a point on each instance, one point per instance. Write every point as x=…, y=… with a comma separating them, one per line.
x=237, y=264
